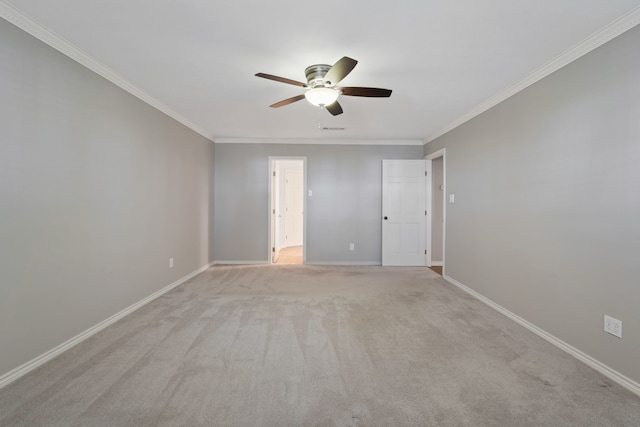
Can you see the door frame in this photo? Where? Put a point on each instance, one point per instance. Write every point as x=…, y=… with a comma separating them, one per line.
x=429, y=201
x=271, y=211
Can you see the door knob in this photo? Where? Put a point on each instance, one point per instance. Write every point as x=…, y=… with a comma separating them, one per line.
x=386, y=218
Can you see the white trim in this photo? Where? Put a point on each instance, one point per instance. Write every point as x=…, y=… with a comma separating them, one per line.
x=22, y=370
x=345, y=263
x=597, y=39
x=355, y=263
x=605, y=370
x=429, y=157
x=306, y=141
x=428, y=205
x=47, y=36
x=440, y=153
x=239, y=262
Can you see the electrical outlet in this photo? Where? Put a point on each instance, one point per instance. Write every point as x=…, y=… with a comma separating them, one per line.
x=170, y=262
x=613, y=326
x=352, y=246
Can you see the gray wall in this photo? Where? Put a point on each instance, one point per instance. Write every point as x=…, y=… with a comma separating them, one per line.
x=547, y=208
x=97, y=191
x=346, y=181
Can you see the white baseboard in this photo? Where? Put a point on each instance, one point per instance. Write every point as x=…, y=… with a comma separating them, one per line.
x=239, y=262
x=245, y=262
x=605, y=370
x=18, y=372
x=353, y=263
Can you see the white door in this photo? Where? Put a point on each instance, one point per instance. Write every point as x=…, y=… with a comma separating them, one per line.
x=403, y=212
x=294, y=204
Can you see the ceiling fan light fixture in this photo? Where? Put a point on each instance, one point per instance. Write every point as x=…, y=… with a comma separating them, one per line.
x=322, y=96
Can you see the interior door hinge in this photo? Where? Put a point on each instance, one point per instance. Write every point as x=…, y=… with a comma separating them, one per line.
x=274, y=173
x=425, y=251
x=273, y=249
x=425, y=173
x=274, y=211
x=425, y=213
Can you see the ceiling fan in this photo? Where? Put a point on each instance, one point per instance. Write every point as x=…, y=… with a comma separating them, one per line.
x=323, y=89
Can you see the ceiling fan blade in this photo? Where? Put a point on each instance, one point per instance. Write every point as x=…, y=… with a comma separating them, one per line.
x=371, y=92
x=287, y=101
x=340, y=70
x=281, y=79
x=334, y=108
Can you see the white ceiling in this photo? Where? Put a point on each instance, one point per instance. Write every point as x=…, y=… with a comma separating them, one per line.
x=442, y=59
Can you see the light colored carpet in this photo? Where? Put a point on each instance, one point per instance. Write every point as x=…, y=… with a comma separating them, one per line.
x=316, y=346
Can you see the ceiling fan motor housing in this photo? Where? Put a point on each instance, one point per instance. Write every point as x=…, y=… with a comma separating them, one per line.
x=315, y=75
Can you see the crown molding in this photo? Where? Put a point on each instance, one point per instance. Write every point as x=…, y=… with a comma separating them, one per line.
x=597, y=39
x=310, y=141
x=27, y=24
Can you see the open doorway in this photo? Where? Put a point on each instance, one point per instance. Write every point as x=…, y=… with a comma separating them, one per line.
x=437, y=208
x=288, y=189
